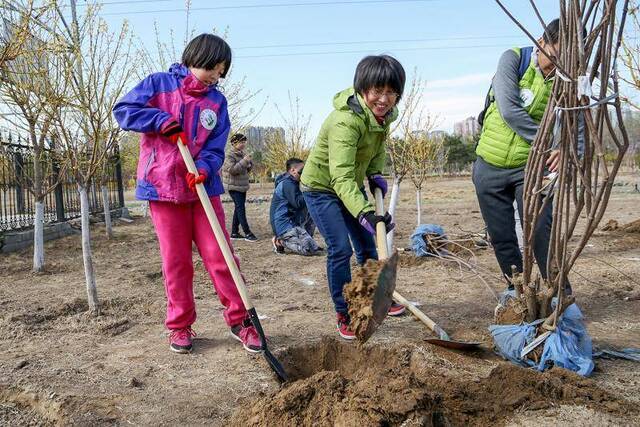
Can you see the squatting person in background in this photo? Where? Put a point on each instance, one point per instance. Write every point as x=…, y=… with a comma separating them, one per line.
x=290, y=221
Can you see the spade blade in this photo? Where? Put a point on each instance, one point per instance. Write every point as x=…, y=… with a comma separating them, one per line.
x=383, y=295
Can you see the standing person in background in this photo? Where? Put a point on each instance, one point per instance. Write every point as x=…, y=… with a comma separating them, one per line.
x=236, y=170
x=515, y=106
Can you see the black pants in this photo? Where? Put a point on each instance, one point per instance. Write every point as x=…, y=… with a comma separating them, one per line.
x=496, y=189
x=239, y=213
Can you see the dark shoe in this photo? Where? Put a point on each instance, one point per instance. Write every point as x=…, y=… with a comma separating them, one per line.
x=246, y=333
x=277, y=247
x=180, y=340
x=250, y=237
x=236, y=236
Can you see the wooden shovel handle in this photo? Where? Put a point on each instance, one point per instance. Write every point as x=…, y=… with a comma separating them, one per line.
x=381, y=228
x=217, y=230
x=420, y=315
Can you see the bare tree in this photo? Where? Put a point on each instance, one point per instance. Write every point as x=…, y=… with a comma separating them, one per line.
x=100, y=64
x=295, y=142
x=427, y=155
x=412, y=120
x=584, y=180
x=31, y=84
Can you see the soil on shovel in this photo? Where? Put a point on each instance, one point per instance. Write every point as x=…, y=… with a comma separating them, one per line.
x=342, y=384
x=359, y=295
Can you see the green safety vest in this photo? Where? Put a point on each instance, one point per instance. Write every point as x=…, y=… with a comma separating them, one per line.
x=499, y=145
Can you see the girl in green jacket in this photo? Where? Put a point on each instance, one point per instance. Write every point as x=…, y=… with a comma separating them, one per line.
x=350, y=148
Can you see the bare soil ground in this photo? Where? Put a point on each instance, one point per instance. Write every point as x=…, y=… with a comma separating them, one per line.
x=60, y=366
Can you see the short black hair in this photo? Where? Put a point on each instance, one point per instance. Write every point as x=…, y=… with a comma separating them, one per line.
x=552, y=32
x=377, y=71
x=206, y=51
x=238, y=137
x=292, y=162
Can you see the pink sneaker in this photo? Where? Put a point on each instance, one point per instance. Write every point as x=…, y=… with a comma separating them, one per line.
x=343, y=327
x=396, y=309
x=180, y=340
x=246, y=333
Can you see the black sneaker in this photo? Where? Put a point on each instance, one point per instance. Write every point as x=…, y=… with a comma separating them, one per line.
x=277, y=248
x=250, y=237
x=236, y=236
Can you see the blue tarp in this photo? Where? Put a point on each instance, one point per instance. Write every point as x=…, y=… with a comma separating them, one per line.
x=418, y=244
x=569, y=346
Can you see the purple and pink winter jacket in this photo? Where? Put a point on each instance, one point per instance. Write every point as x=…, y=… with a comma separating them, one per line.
x=202, y=112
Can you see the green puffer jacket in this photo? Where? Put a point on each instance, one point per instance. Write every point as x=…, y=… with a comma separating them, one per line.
x=350, y=147
x=499, y=145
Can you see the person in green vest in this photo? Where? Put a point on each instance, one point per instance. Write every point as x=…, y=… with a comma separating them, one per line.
x=520, y=92
x=350, y=149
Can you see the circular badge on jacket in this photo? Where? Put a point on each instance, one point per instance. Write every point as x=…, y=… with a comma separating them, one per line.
x=526, y=97
x=208, y=119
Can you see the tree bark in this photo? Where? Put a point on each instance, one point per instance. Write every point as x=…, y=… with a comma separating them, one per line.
x=107, y=212
x=419, y=206
x=393, y=202
x=38, y=238
x=87, y=257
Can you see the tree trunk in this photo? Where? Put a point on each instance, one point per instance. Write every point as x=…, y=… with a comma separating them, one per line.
x=89, y=273
x=38, y=238
x=395, y=194
x=419, y=205
x=107, y=212
x=145, y=209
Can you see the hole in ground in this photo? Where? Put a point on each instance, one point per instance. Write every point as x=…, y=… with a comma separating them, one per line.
x=336, y=383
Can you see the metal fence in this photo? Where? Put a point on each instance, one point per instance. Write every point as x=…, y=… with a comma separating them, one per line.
x=17, y=202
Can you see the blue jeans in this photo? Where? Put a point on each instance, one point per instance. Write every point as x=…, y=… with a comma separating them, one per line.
x=340, y=231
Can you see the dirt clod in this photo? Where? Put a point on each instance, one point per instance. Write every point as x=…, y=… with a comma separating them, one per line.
x=359, y=295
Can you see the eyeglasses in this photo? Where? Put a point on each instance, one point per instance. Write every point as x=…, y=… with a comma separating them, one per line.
x=392, y=96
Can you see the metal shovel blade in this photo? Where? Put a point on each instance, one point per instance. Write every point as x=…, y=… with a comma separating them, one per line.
x=455, y=345
x=382, y=297
x=274, y=364
x=529, y=348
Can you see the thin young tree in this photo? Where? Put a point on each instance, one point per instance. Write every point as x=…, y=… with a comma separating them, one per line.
x=99, y=64
x=586, y=88
x=294, y=143
x=412, y=119
x=427, y=156
x=32, y=88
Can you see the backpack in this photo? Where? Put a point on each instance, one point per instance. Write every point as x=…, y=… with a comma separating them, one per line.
x=525, y=59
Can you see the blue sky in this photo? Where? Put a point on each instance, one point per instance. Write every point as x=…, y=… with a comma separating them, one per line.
x=454, y=45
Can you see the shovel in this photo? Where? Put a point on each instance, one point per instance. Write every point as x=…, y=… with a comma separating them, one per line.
x=386, y=280
x=228, y=257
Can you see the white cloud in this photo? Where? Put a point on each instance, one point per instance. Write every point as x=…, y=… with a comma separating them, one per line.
x=457, y=82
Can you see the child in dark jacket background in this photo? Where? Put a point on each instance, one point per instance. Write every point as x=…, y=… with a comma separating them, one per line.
x=292, y=226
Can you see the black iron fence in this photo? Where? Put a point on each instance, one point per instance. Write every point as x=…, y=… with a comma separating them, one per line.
x=17, y=202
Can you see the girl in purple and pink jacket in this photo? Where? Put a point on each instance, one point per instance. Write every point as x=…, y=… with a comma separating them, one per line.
x=185, y=104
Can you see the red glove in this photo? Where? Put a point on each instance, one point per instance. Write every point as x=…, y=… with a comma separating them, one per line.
x=173, y=131
x=192, y=180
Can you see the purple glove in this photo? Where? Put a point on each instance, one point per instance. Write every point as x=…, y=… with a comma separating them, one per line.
x=368, y=221
x=377, y=181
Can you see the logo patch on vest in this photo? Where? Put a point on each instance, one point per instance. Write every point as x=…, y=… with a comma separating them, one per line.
x=208, y=119
x=526, y=97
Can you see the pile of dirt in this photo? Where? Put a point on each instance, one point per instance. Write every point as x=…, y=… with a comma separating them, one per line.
x=513, y=313
x=342, y=384
x=359, y=295
x=632, y=227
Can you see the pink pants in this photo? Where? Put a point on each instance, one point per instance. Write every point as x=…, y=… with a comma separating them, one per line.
x=177, y=226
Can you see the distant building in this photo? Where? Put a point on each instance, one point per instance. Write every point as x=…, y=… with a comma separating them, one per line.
x=437, y=134
x=466, y=128
x=257, y=136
